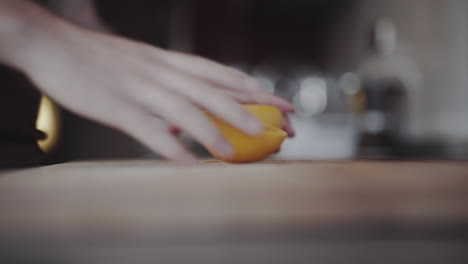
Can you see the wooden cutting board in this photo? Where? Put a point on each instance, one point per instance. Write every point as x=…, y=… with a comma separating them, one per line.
x=134, y=199
x=270, y=212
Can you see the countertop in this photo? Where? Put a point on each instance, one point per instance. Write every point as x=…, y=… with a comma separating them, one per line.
x=154, y=202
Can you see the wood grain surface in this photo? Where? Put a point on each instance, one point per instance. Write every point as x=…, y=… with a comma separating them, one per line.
x=134, y=199
x=270, y=212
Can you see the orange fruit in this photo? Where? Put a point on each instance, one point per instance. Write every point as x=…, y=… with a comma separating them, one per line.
x=253, y=148
x=268, y=115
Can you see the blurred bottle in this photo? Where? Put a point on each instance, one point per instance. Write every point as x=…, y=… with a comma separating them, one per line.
x=386, y=80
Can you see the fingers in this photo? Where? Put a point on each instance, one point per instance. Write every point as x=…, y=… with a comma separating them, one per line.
x=154, y=135
x=263, y=98
x=187, y=117
x=225, y=77
x=205, y=78
x=213, y=72
x=211, y=99
x=173, y=130
x=272, y=101
x=179, y=88
x=287, y=126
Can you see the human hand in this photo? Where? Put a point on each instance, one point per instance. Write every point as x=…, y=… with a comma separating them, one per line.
x=83, y=13
x=140, y=89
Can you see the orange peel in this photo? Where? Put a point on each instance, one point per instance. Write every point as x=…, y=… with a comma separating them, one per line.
x=268, y=115
x=253, y=148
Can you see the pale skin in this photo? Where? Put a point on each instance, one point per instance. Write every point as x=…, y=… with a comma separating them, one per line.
x=131, y=86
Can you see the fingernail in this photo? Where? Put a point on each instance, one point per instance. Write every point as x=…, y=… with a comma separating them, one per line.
x=254, y=126
x=225, y=150
x=291, y=108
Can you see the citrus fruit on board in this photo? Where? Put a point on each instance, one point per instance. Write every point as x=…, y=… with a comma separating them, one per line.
x=268, y=115
x=253, y=148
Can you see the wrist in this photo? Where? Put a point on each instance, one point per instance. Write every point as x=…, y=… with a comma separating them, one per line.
x=24, y=29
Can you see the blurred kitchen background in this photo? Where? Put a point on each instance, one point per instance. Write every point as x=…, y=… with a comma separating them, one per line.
x=386, y=78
